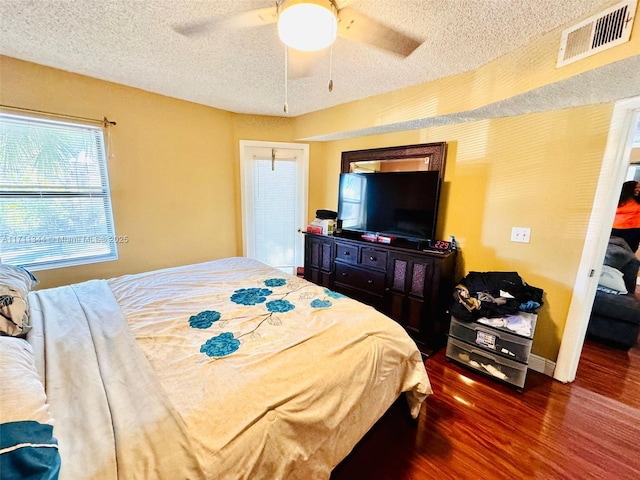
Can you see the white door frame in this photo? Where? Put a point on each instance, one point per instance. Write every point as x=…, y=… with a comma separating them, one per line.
x=247, y=229
x=615, y=163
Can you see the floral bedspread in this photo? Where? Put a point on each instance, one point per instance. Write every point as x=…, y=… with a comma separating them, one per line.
x=274, y=297
x=273, y=376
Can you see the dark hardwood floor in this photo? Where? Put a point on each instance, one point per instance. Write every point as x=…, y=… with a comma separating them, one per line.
x=475, y=428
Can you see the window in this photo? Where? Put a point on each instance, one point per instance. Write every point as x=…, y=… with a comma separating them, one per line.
x=274, y=208
x=55, y=206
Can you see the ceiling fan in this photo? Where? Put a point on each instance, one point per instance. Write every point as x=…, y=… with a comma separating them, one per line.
x=343, y=21
x=307, y=27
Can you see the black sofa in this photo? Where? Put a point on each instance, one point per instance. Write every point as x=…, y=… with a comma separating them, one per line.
x=615, y=316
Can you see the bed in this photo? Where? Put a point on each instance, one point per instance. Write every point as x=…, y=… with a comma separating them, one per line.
x=224, y=369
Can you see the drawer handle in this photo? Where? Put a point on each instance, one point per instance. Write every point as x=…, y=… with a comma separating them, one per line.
x=369, y=281
x=372, y=258
x=346, y=254
x=344, y=274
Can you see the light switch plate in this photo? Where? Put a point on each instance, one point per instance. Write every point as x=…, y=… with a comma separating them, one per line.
x=520, y=234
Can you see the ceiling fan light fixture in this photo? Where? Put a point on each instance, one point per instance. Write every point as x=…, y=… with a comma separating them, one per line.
x=307, y=25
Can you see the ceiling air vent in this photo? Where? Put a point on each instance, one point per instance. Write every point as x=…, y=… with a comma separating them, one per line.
x=607, y=29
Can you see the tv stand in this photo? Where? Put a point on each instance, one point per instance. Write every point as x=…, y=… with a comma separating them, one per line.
x=399, y=241
x=413, y=287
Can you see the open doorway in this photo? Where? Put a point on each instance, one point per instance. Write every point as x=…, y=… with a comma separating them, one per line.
x=633, y=173
x=615, y=164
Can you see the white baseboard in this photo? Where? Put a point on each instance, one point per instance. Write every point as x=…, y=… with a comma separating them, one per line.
x=541, y=365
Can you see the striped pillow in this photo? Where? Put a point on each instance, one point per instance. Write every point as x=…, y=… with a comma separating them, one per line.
x=15, y=284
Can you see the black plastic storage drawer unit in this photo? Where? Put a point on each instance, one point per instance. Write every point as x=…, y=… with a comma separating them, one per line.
x=500, y=340
x=496, y=366
x=497, y=347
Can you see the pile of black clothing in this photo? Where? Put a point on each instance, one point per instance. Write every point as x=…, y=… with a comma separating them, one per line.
x=494, y=294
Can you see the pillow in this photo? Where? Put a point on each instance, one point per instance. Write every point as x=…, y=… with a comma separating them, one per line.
x=618, y=253
x=613, y=279
x=15, y=283
x=28, y=448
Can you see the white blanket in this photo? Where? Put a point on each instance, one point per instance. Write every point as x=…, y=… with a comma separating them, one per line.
x=112, y=419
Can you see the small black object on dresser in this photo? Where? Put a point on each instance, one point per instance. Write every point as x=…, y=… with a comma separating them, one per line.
x=494, y=316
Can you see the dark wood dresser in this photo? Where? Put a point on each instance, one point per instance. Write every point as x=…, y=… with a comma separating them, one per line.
x=412, y=286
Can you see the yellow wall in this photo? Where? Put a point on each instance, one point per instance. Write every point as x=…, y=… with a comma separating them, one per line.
x=174, y=177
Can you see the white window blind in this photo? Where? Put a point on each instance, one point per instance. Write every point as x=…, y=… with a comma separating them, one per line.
x=274, y=203
x=55, y=205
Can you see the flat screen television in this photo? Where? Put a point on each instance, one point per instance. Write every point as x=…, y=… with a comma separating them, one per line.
x=399, y=204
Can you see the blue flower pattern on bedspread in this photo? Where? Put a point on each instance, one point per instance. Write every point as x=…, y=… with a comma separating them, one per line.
x=332, y=294
x=220, y=346
x=250, y=296
x=317, y=303
x=204, y=319
x=227, y=343
x=280, y=306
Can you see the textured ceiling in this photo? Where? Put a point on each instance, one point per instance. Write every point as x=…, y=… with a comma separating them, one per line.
x=134, y=42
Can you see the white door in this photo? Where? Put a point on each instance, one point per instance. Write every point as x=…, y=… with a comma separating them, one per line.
x=625, y=121
x=274, y=179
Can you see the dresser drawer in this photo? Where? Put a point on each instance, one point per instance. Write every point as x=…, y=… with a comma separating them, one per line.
x=368, y=280
x=498, y=341
x=372, y=257
x=487, y=363
x=346, y=252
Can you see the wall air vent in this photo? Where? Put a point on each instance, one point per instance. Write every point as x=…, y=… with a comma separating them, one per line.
x=604, y=30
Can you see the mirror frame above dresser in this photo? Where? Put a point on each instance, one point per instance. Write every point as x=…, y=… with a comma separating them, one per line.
x=425, y=156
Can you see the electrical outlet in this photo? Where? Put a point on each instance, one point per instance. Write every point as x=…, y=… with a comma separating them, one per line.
x=520, y=234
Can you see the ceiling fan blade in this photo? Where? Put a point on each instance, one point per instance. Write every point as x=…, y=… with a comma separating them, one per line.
x=254, y=18
x=357, y=27
x=251, y=18
x=301, y=64
x=193, y=29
